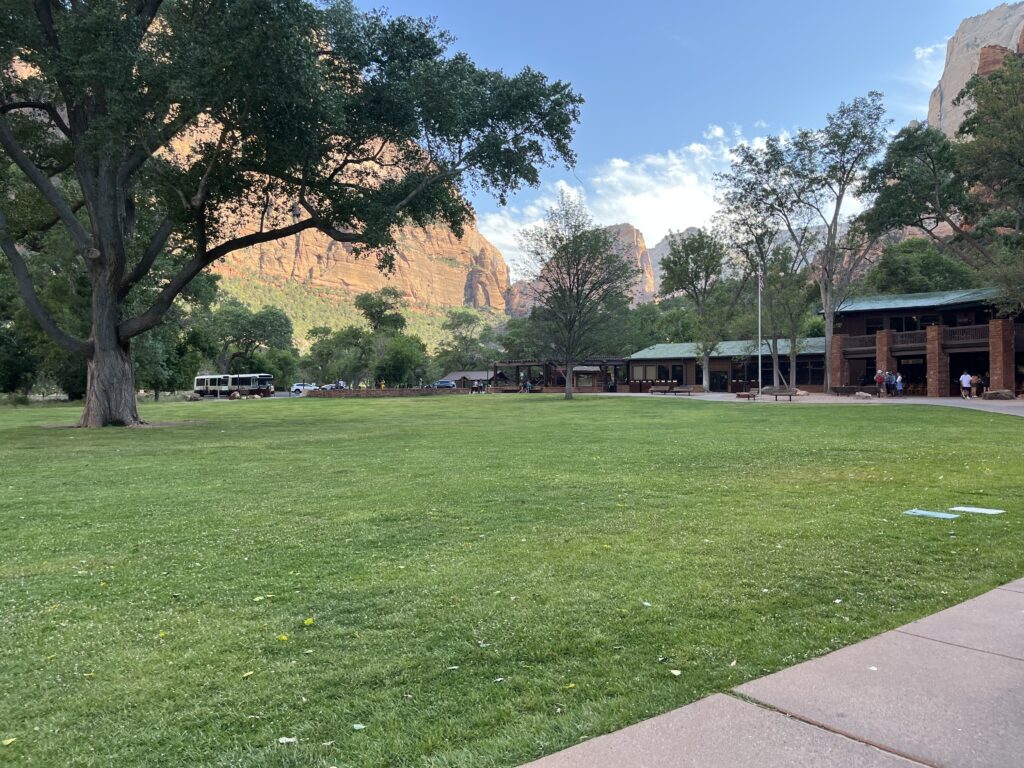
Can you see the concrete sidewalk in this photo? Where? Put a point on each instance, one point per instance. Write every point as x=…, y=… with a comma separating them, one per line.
x=1008, y=407
x=945, y=691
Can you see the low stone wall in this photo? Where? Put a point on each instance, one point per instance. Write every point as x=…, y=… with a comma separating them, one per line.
x=410, y=392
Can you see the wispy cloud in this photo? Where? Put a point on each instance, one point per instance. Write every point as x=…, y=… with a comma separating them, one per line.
x=908, y=97
x=655, y=193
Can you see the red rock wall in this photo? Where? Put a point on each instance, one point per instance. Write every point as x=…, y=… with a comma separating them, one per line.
x=433, y=268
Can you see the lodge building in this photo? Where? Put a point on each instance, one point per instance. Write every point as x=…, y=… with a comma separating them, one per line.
x=931, y=338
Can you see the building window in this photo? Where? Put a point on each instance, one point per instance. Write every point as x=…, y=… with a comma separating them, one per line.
x=873, y=324
x=650, y=372
x=638, y=373
x=662, y=372
x=810, y=372
x=679, y=374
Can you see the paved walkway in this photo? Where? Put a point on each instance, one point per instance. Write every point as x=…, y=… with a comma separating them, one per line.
x=945, y=691
x=1011, y=407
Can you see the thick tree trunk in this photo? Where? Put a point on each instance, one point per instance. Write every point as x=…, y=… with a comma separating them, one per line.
x=110, y=387
x=568, y=380
x=830, y=320
x=110, y=390
x=706, y=372
x=775, y=362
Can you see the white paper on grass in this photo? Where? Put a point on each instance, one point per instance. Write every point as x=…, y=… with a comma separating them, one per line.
x=979, y=510
x=929, y=513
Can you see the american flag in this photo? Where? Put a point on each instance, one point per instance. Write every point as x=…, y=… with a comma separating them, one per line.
x=760, y=281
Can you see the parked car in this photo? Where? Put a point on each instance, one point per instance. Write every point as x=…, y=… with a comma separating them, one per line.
x=303, y=386
x=444, y=384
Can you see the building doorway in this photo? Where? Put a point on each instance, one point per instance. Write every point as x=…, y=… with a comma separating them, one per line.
x=975, y=363
x=914, y=371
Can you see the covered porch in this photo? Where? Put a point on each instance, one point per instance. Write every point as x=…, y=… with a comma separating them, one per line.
x=593, y=374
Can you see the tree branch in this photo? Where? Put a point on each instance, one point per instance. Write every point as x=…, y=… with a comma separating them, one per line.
x=152, y=316
x=39, y=106
x=150, y=145
x=31, y=299
x=155, y=247
x=49, y=192
x=44, y=13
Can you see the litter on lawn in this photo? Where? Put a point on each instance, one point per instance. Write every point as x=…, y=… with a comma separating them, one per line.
x=929, y=513
x=979, y=510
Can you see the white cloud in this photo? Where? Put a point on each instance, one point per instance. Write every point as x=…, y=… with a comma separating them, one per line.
x=909, y=94
x=658, y=192
x=714, y=132
x=927, y=53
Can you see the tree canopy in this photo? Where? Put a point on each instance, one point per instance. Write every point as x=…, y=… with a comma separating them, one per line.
x=189, y=129
x=580, y=273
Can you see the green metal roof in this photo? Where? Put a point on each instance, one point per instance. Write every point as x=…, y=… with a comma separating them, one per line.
x=917, y=300
x=738, y=348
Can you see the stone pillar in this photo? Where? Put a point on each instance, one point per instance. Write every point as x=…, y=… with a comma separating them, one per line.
x=1001, y=353
x=884, y=357
x=840, y=368
x=938, y=363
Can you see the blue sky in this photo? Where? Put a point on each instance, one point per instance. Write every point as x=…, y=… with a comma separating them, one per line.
x=671, y=86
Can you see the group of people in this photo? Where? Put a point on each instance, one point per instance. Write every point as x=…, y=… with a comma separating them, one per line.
x=972, y=385
x=889, y=383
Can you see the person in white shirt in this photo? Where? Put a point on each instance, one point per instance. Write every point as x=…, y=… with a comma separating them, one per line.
x=965, y=385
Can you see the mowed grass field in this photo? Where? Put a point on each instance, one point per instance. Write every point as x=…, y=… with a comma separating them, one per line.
x=476, y=580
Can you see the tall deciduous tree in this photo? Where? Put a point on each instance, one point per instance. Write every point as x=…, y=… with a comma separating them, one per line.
x=241, y=333
x=580, y=272
x=773, y=233
x=382, y=309
x=169, y=124
x=695, y=266
x=967, y=195
x=918, y=266
x=822, y=171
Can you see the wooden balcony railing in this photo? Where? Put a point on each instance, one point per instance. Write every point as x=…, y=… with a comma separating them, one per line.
x=910, y=338
x=965, y=334
x=860, y=342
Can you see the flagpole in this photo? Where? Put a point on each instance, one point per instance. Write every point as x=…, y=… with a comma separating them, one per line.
x=760, y=285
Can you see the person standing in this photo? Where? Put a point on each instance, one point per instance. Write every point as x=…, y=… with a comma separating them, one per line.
x=965, y=385
x=880, y=383
x=899, y=385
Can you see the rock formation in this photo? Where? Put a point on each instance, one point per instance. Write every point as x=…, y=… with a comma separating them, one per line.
x=434, y=268
x=636, y=251
x=980, y=44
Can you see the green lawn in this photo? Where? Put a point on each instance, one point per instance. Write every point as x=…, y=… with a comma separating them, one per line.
x=489, y=578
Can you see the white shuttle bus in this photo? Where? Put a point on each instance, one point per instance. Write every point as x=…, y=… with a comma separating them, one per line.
x=218, y=385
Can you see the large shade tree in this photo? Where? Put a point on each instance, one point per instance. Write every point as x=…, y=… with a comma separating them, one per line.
x=696, y=267
x=580, y=275
x=200, y=127
x=966, y=195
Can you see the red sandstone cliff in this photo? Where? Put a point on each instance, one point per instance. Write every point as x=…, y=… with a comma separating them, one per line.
x=433, y=268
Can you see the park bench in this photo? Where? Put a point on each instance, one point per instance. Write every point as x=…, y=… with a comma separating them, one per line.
x=671, y=389
x=751, y=395
x=777, y=393
x=845, y=390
